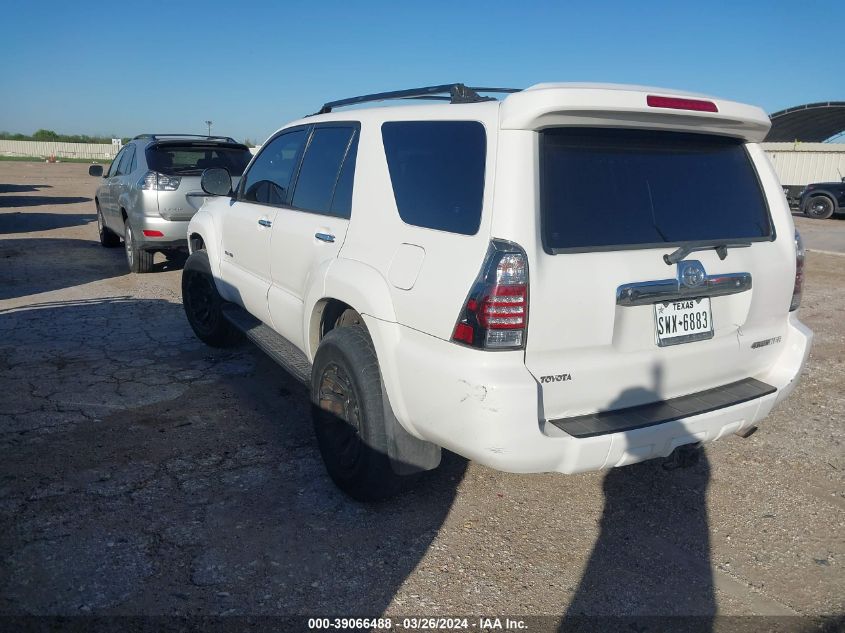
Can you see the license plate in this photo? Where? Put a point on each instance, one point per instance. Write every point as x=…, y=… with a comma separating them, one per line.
x=682, y=321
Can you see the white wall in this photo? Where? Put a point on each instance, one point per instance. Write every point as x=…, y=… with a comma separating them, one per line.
x=59, y=150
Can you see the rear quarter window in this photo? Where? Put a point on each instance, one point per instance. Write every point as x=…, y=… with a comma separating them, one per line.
x=437, y=172
x=604, y=189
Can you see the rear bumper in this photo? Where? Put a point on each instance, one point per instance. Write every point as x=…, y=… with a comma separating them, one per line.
x=174, y=233
x=485, y=406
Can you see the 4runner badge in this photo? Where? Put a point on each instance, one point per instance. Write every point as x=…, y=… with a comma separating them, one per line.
x=556, y=378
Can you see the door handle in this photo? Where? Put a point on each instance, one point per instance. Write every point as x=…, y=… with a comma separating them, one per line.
x=324, y=237
x=266, y=223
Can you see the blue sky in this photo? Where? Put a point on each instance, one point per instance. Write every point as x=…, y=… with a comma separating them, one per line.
x=129, y=67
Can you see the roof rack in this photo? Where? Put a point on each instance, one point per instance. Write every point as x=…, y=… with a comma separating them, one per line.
x=458, y=93
x=155, y=137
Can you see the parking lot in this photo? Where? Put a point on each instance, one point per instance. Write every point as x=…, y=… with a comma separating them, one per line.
x=143, y=472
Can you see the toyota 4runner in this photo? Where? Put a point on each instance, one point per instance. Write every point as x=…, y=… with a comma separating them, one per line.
x=572, y=278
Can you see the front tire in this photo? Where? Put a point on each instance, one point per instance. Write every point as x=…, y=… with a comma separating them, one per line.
x=139, y=260
x=348, y=416
x=819, y=208
x=108, y=238
x=203, y=304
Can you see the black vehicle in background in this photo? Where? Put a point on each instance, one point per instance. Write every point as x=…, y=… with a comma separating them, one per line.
x=821, y=200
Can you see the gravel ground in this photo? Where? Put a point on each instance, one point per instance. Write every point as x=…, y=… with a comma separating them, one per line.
x=144, y=473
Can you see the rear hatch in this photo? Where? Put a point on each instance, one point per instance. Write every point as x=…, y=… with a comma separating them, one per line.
x=612, y=323
x=179, y=165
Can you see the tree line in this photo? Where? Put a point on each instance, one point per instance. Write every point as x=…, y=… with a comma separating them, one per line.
x=50, y=135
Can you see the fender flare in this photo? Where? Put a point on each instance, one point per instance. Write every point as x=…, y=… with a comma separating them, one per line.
x=203, y=224
x=365, y=289
x=355, y=283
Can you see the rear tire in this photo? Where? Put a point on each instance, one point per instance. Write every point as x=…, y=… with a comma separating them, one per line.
x=819, y=208
x=203, y=304
x=139, y=260
x=348, y=415
x=108, y=238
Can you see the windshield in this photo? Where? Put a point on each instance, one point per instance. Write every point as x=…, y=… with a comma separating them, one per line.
x=605, y=189
x=178, y=159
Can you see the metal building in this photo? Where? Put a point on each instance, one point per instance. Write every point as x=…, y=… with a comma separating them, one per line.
x=794, y=145
x=799, y=164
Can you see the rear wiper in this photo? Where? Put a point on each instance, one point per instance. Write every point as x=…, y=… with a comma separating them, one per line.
x=721, y=250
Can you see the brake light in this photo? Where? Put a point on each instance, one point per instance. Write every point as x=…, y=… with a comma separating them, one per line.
x=495, y=313
x=798, y=289
x=679, y=103
x=152, y=233
x=154, y=181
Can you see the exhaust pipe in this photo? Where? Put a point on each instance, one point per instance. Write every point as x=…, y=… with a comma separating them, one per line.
x=747, y=432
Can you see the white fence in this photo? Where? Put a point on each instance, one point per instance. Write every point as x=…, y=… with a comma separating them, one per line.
x=803, y=163
x=45, y=149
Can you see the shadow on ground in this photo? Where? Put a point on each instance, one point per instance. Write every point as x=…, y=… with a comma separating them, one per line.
x=17, y=222
x=158, y=476
x=642, y=549
x=32, y=266
x=35, y=201
x=10, y=188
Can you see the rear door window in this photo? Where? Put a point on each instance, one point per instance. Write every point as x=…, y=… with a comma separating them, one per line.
x=605, y=189
x=319, y=174
x=172, y=159
x=437, y=172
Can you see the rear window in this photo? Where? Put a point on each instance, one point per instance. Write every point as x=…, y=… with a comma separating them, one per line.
x=613, y=189
x=437, y=172
x=175, y=159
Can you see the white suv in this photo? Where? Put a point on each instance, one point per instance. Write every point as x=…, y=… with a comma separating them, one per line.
x=575, y=277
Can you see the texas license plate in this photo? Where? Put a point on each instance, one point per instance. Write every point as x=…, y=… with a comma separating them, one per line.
x=682, y=321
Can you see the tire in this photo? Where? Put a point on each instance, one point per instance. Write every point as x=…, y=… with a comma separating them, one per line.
x=139, y=260
x=352, y=436
x=108, y=238
x=819, y=208
x=203, y=305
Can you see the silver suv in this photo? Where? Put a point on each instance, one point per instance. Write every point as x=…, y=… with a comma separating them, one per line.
x=152, y=189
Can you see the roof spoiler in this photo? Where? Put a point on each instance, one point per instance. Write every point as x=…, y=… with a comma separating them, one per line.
x=157, y=137
x=554, y=105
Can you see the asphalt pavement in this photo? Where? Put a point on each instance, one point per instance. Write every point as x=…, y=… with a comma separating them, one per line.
x=142, y=473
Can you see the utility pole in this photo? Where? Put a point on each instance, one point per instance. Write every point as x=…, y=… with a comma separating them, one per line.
x=208, y=123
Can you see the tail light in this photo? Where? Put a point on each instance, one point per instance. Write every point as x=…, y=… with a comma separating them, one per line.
x=155, y=181
x=495, y=313
x=798, y=289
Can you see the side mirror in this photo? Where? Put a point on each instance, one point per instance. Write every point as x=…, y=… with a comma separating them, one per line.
x=95, y=170
x=216, y=181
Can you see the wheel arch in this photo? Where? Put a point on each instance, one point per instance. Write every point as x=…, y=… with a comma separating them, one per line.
x=202, y=233
x=347, y=284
